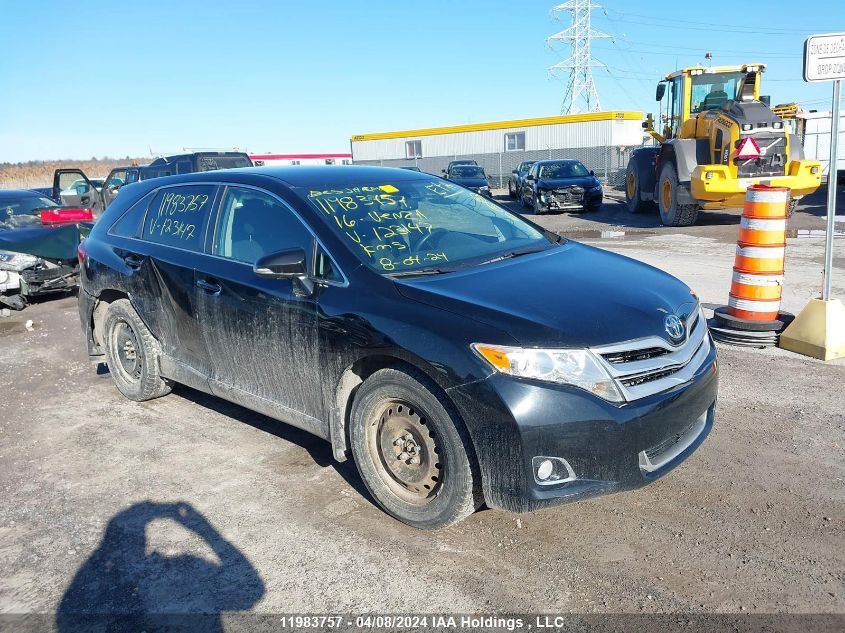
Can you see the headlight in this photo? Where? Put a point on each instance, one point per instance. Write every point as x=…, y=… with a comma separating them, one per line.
x=577, y=367
x=16, y=262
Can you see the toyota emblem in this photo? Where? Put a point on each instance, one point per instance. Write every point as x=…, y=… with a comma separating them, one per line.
x=674, y=327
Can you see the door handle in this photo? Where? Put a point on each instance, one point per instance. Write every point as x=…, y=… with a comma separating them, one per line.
x=85, y=199
x=209, y=286
x=133, y=262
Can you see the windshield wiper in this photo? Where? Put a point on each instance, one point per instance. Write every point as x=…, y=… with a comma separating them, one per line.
x=418, y=271
x=511, y=255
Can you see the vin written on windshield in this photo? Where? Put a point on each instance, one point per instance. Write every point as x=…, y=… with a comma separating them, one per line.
x=418, y=224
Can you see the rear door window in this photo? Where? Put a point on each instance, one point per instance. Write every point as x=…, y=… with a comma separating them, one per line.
x=178, y=216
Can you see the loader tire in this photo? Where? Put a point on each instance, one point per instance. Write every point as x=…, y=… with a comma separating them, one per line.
x=671, y=212
x=633, y=191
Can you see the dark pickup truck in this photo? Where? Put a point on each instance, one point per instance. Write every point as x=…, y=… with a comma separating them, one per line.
x=73, y=187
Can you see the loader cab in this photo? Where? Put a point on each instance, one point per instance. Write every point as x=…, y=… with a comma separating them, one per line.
x=688, y=92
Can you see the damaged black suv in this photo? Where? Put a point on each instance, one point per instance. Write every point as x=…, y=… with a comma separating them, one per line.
x=458, y=352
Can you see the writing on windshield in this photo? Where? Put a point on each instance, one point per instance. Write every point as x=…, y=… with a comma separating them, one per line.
x=418, y=224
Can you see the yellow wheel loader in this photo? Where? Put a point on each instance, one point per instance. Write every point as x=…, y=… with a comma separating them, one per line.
x=718, y=138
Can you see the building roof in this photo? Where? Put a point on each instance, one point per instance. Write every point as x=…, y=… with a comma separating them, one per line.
x=499, y=125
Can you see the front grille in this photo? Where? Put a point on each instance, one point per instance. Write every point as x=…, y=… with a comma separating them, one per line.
x=656, y=375
x=771, y=163
x=648, y=366
x=658, y=449
x=569, y=195
x=629, y=356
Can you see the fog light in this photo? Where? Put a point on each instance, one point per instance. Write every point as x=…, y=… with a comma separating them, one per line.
x=544, y=470
x=814, y=169
x=552, y=470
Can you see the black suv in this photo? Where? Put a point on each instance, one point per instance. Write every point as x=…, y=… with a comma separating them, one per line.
x=73, y=187
x=460, y=353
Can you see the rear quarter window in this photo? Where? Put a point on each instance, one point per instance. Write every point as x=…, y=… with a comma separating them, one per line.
x=178, y=216
x=129, y=224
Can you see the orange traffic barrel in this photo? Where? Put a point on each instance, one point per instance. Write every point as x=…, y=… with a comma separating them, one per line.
x=757, y=282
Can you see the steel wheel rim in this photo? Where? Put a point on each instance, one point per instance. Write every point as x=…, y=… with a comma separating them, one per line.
x=667, y=194
x=125, y=349
x=405, y=451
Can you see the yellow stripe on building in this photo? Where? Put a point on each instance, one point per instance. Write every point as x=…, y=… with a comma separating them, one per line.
x=499, y=125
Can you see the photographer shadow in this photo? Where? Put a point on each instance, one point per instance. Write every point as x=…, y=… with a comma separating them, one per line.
x=123, y=587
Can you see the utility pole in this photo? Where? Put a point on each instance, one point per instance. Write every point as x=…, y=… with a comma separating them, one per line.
x=581, y=94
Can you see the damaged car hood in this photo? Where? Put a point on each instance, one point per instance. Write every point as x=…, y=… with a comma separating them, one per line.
x=569, y=296
x=50, y=243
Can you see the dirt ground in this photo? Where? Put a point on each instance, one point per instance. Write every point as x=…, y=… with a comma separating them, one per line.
x=188, y=503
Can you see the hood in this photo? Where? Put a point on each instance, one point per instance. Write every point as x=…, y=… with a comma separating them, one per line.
x=471, y=182
x=570, y=296
x=560, y=183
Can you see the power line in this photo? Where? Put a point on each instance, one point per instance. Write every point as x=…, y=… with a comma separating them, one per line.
x=708, y=25
x=700, y=50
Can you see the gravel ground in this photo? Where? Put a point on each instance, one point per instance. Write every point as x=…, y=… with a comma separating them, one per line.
x=188, y=503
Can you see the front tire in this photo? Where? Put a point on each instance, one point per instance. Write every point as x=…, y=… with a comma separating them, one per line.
x=132, y=354
x=668, y=188
x=511, y=190
x=412, y=451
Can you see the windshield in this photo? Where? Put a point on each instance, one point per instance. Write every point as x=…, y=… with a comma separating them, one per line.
x=563, y=169
x=422, y=224
x=711, y=90
x=524, y=167
x=467, y=171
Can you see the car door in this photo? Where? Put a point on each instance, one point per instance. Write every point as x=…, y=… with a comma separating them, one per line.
x=115, y=180
x=162, y=263
x=261, y=333
x=530, y=184
x=72, y=188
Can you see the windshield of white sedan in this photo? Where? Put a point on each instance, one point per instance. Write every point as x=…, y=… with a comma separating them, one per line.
x=422, y=225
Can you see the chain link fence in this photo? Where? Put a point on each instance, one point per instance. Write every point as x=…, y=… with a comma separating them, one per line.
x=608, y=162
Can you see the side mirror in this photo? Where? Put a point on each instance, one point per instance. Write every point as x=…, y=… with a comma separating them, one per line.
x=284, y=264
x=81, y=189
x=530, y=177
x=290, y=264
x=661, y=90
x=513, y=171
x=443, y=171
x=592, y=173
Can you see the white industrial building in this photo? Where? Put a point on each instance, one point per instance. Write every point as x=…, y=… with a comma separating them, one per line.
x=814, y=130
x=601, y=140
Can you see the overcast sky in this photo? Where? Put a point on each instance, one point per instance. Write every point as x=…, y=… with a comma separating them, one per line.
x=95, y=78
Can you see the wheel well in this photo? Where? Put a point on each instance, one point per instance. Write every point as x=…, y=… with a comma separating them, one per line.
x=351, y=379
x=105, y=298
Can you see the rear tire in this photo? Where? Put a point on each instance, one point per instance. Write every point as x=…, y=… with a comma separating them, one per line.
x=132, y=354
x=633, y=190
x=398, y=417
x=668, y=186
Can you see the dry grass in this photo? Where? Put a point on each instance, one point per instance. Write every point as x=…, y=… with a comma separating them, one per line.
x=39, y=173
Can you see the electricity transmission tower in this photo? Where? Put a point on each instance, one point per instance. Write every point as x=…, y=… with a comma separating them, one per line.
x=581, y=94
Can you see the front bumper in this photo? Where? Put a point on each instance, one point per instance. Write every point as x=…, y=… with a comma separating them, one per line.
x=608, y=447
x=724, y=188
x=592, y=199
